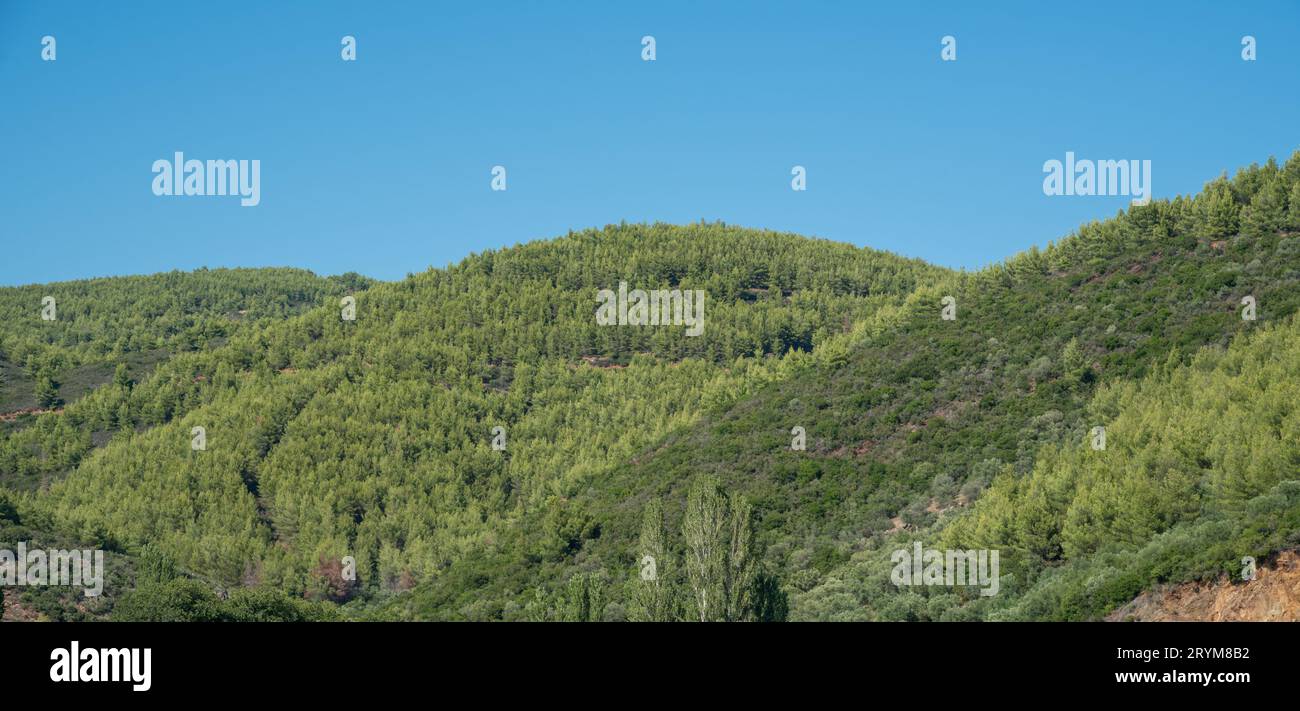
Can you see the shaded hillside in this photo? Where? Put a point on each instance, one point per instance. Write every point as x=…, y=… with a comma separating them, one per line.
x=1198, y=471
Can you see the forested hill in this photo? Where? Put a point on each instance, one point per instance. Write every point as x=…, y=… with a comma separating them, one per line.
x=372, y=438
x=909, y=422
x=482, y=448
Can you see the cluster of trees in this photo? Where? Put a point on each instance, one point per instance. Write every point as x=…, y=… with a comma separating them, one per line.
x=121, y=327
x=98, y=319
x=162, y=593
x=1209, y=547
x=725, y=580
x=718, y=576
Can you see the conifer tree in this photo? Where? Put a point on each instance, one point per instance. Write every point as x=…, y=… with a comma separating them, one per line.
x=1218, y=211
x=1293, y=208
x=121, y=377
x=1267, y=211
x=47, y=392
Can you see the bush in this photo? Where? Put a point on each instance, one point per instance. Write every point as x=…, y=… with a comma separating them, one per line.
x=181, y=600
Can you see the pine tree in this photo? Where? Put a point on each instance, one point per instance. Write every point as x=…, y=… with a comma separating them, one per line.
x=121, y=377
x=1293, y=211
x=1267, y=211
x=47, y=393
x=1218, y=211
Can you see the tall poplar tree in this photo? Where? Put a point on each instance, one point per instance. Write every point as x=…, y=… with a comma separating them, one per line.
x=741, y=563
x=653, y=592
x=705, y=530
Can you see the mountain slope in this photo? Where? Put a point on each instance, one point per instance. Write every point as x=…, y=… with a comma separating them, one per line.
x=62, y=342
x=908, y=425
x=372, y=438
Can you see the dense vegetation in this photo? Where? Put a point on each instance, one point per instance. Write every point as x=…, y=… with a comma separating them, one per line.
x=108, y=334
x=372, y=438
x=376, y=439
x=53, y=329
x=911, y=418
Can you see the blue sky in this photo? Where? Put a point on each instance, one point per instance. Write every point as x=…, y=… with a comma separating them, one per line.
x=382, y=165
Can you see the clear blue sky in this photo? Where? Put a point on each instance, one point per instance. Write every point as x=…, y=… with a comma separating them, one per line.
x=382, y=165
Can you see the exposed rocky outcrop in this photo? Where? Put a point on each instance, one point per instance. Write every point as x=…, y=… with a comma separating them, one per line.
x=1273, y=596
